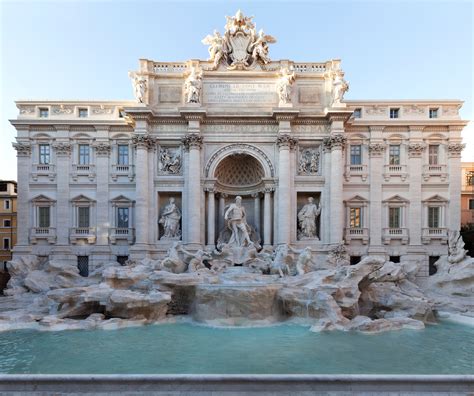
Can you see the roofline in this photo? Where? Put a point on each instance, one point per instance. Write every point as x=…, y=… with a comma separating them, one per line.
x=71, y=101
x=8, y=181
x=404, y=101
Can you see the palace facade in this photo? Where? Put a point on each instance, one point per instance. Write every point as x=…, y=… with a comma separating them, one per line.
x=95, y=179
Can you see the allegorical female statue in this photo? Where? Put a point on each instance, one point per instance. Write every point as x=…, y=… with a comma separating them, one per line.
x=170, y=221
x=307, y=220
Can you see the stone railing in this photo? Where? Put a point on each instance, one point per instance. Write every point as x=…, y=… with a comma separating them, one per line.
x=395, y=171
x=169, y=67
x=127, y=234
x=47, y=233
x=356, y=170
x=435, y=171
x=309, y=67
x=45, y=170
x=83, y=170
x=390, y=234
x=356, y=233
x=82, y=233
x=122, y=170
x=430, y=234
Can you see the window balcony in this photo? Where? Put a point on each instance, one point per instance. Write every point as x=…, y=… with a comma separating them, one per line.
x=83, y=170
x=435, y=171
x=356, y=170
x=434, y=234
x=395, y=171
x=82, y=233
x=43, y=170
x=391, y=234
x=122, y=170
x=356, y=234
x=43, y=233
x=126, y=234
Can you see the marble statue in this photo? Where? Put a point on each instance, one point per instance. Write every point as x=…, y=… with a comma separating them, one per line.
x=217, y=48
x=170, y=163
x=140, y=88
x=340, y=88
x=307, y=220
x=173, y=262
x=456, y=251
x=304, y=260
x=282, y=260
x=236, y=221
x=260, y=47
x=170, y=221
x=309, y=161
x=338, y=255
x=193, y=86
x=197, y=260
x=284, y=85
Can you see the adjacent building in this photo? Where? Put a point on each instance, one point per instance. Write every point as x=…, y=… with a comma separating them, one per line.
x=8, y=223
x=467, y=194
x=95, y=178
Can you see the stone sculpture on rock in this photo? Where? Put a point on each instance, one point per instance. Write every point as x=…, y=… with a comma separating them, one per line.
x=456, y=251
x=307, y=220
x=169, y=220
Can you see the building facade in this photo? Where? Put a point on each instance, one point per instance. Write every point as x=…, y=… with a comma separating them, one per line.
x=112, y=180
x=8, y=224
x=467, y=194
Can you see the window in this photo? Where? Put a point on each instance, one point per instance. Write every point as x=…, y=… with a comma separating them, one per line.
x=433, y=217
x=470, y=178
x=43, y=112
x=355, y=218
x=6, y=243
x=6, y=204
x=3, y=187
x=394, y=217
x=7, y=223
x=43, y=217
x=83, y=217
x=44, y=154
x=122, y=154
x=394, y=154
x=433, y=157
x=84, y=154
x=471, y=204
x=394, y=113
x=122, y=217
x=432, y=269
x=83, y=113
x=433, y=113
x=83, y=265
x=358, y=113
x=356, y=154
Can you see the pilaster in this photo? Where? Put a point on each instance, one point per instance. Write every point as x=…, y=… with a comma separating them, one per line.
x=455, y=148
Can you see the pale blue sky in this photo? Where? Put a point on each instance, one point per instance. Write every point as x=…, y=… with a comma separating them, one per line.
x=83, y=50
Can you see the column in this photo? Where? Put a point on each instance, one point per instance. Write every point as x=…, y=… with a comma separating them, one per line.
x=455, y=148
x=256, y=211
x=102, y=154
x=220, y=219
x=415, y=168
x=192, y=143
x=337, y=143
x=23, y=207
x=211, y=217
x=326, y=202
x=376, y=151
x=285, y=143
x=267, y=217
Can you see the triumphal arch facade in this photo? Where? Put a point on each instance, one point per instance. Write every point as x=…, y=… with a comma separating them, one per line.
x=128, y=179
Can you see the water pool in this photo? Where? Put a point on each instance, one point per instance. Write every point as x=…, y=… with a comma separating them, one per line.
x=181, y=348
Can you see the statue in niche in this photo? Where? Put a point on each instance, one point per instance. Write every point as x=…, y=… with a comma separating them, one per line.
x=193, y=86
x=169, y=162
x=309, y=161
x=340, y=88
x=170, y=221
x=236, y=221
x=307, y=220
x=284, y=85
x=217, y=47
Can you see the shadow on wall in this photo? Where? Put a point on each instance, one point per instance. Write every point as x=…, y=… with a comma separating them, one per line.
x=467, y=233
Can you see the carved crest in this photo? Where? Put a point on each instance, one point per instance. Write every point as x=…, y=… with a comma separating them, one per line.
x=241, y=47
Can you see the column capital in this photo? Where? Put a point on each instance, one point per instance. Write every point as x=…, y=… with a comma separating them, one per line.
x=210, y=189
x=286, y=141
x=144, y=141
x=22, y=149
x=455, y=149
x=63, y=149
x=255, y=195
x=269, y=189
x=334, y=142
x=416, y=149
x=102, y=149
x=192, y=141
x=376, y=149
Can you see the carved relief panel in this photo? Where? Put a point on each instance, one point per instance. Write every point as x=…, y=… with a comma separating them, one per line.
x=170, y=160
x=309, y=160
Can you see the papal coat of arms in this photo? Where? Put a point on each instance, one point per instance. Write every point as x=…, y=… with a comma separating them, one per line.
x=241, y=47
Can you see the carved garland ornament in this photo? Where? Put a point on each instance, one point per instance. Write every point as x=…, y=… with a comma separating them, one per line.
x=102, y=149
x=23, y=149
x=287, y=141
x=376, y=149
x=455, y=149
x=63, y=148
x=192, y=140
x=416, y=149
x=144, y=141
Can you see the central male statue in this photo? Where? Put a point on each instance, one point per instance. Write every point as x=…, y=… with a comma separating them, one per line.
x=235, y=215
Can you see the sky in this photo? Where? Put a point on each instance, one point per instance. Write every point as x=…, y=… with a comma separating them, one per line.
x=80, y=50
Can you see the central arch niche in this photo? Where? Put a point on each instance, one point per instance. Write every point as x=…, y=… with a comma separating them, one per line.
x=239, y=174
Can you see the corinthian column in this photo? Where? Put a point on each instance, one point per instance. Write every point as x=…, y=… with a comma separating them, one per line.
x=211, y=217
x=376, y=150
x=415, y=167
x=286, y=143
x=454, y=171
x=267, y=217
x=192, y=143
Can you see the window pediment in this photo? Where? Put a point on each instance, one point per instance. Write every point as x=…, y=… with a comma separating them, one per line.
x=42, y=199
x=396, y=199
x=435, y=199
x=82, y=199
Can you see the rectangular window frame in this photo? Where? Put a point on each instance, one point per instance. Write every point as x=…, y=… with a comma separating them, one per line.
x=471, y=204
x=7, y=204
x=433, y=112
x=358, y=112
x=356, y=154
x=434, y=216
x=44, y=217
x=7, y=245
x=7, y=223
x=355, y=217
x=83, y=112
x=83, y=216
x=43, y=112
x=395, y=217
x=433, y=154
x=394, y=151
x=123, y=158
x=394, y=112
x=84, y=154
x=121, y=212
x=44, y=154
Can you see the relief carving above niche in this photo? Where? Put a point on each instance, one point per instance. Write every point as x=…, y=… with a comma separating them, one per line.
x=309, y=160
x=170, y=160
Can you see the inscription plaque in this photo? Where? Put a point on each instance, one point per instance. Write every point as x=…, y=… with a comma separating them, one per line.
x=239, y=93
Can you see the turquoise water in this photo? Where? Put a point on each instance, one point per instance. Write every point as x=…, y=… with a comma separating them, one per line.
x=187, y=348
